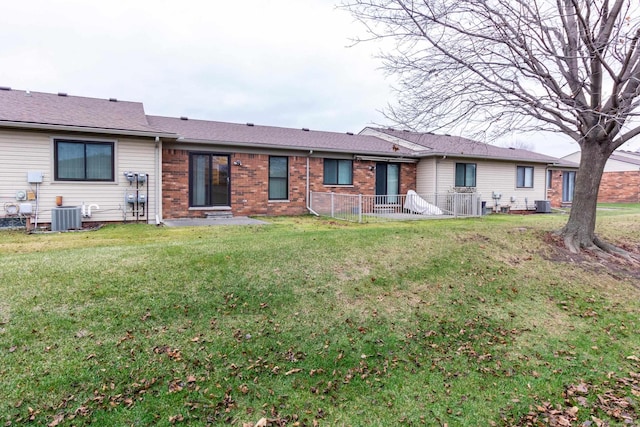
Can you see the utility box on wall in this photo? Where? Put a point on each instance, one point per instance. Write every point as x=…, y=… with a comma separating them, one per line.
x=34, y=177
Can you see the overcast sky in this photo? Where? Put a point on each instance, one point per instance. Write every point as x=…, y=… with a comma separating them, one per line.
x=276, y=62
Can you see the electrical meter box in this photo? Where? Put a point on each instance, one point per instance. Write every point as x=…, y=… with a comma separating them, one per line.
x=142, y=177
x=142, y=198
x=34, y=177
x=130, y=176
x=130, y=197
x=26, y=208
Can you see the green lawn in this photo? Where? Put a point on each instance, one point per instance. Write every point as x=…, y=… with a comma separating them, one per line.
x=308, y=321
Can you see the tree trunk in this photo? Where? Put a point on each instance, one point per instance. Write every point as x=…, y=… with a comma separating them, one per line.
x=579, y=232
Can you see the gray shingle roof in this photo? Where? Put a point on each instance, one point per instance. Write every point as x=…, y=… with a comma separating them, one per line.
x=458, y=146
x=37, y=108
x=625, y=159
x=24, y=108
x=276, y=137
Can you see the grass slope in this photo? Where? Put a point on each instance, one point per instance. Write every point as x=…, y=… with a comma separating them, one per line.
x=315, y=322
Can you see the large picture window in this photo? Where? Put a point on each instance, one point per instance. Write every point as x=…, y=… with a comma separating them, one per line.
x=278, y=178
x=465, y=174
x=524, y=177
x=338, y=172
x=83, y=160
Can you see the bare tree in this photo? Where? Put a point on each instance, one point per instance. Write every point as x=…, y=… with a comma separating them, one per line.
x=568, y=66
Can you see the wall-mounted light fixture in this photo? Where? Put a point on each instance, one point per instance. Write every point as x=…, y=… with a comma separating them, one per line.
x=237, y=163
x=372, y=167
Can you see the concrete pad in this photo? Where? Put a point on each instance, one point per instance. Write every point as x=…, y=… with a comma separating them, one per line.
x=196, y=222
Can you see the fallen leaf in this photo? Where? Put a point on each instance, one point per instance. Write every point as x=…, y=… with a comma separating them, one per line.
x=176, y=418
x=56, y=420
x=176, y=386
x=262, y=422
x=293, y=371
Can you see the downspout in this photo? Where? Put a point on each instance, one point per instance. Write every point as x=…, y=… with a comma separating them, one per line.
x=436, y=178
x=157, y=182
x=436, y=181
x=308, y=187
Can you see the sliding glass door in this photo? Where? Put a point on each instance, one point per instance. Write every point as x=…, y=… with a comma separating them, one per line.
x=208, y=180
x=387, y=182
x=568, y=185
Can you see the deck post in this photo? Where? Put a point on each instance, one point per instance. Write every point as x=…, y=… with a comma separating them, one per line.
x=455, y=205
x=360, y=208
x=332, y=208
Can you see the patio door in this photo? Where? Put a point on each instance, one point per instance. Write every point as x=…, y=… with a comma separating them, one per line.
x=208, y=180
x=387, y=182
x=568, y=185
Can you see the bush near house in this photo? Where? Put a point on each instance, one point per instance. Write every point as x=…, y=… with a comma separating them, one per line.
x=314, y=322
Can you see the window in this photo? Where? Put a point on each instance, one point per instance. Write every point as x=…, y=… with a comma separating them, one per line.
x=338, y=172
x=278, y=178
x=208, y=180
x=568, y=186
x=465, y=174
x=83, y=161
x=524, y=177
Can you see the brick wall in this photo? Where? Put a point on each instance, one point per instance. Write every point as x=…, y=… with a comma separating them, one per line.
x=554, y=193
x=615, y=187
x=175, y=184
x=620, y=187
x=249, y=184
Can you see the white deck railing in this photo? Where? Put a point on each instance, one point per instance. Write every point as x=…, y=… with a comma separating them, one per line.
x=366, y=208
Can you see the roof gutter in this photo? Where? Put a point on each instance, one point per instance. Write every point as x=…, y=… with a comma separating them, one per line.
x=480, y=156
x=288, y=147
x=85, y=129
x=386, y=159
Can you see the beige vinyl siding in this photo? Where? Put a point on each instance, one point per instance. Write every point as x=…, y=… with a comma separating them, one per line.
x=630, y=155
x=426, y=171
x=612, y=165
x=621, y=166
x=491, y=176
x=573, y=157
x=24, y=151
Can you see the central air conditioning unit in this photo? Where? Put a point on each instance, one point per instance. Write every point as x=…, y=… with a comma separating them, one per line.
x=65, y=218
x=543, y=206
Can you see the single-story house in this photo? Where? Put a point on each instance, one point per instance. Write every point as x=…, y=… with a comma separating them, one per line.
x=620, y=179
x=110, y=161
x=507, y=178
x=60, y=153
x=246, y=169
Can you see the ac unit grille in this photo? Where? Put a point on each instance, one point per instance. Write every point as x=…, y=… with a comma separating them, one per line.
x=66, y=218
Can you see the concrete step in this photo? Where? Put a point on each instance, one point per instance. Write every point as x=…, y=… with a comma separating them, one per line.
x=219, y=214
